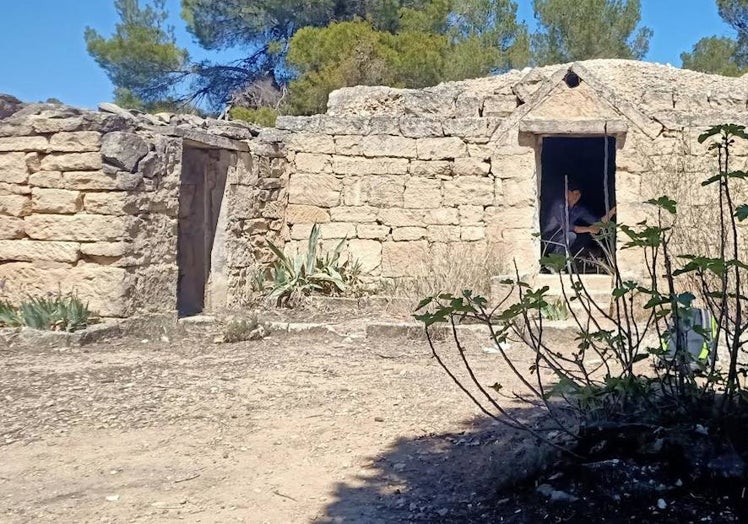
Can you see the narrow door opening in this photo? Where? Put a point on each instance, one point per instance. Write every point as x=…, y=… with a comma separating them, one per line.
x=577, y=164
x=202, y=186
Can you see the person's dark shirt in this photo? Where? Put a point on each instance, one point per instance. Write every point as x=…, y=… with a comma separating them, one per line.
x=578, y=216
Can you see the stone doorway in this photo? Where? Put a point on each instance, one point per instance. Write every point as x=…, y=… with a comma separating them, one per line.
x=580, y=162
x=201, y=228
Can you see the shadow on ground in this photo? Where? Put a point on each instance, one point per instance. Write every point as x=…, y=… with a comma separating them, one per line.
x=451, y=477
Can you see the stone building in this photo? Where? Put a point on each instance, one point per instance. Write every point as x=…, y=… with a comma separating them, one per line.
x=158, y=213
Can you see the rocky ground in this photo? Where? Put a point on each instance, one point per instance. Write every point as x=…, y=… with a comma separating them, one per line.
x=296, y=428
x=288, y=429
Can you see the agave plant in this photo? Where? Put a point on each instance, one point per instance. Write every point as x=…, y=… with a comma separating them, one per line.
x=9, y=316
x=308, y=273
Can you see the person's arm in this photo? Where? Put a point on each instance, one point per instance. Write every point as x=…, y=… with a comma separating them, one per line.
x=590, y=219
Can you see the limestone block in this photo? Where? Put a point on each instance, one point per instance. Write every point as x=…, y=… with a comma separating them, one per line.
x=343, y=165
x=56, y=201
x=106, y=249
x=80, y=227
x=422, y=193
x=442, y=216
x=15, y=205
x=11, y=227
x=499, y=105
x=313, y=163
x=105, y=289
x=24, y=143
x=32, y=250
x=51, y=179
x=431, y=169
x=519, y=217
x=471, y=233
x=513, y=166
x=468, y=190
x=628, y=187
x=384, y=191
x=338, y=230
x=357, y=214
x=400, y=259
x=368, y=253
x=471, y=215
x=47, y=126
x=389, y=146
x=303, y=214
x=401, y=217
x=14, y=189
x=274, y=210
x=518, y=192
x=350, y=125
x=408, y=233
x=72, y=162
x=98, y=180
x=301, y=231
x=33, y=162
x=441, y=148
x=349, y=145
x=471, y=129
x=443, y=233
x=371, y=231
x=311, y=143
x=75, y=142
x=414, y=127
x=111, y=203
x=353, y=191
x=471, y=167
x=314, y=190
x=13, y=169
x=123, y=150
x=383, y=125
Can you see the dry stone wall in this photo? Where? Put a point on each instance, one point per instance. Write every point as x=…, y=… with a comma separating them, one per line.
x=90, y=203
x=402, y=190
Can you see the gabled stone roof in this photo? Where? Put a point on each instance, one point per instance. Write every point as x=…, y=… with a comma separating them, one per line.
x=662, y=92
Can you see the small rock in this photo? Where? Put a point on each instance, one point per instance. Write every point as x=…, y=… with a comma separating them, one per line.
x=378, y=419
x=443, y=512
x=112, y=498
x=661, y=504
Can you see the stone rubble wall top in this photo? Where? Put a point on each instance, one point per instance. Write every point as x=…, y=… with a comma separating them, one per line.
x=22, y=119
x=650, y=87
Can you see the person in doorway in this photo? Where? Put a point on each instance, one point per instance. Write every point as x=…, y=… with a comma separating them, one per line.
x=570, y=225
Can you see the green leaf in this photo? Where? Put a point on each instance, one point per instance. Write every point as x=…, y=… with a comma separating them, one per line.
x=741, y=212
x=664, y=202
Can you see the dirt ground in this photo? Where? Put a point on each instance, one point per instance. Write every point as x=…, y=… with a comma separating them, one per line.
x=293, y=428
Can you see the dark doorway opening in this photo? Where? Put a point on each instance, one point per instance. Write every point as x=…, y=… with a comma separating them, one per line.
x=580, y=162
x=201, y=190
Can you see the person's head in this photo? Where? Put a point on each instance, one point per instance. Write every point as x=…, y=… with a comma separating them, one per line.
x=573, y=193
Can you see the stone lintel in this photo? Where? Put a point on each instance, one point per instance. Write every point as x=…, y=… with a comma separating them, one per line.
x=573, y=127
x=202, y=140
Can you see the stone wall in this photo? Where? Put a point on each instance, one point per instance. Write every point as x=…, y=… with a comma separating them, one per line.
x=90, y=203
x=401, y=190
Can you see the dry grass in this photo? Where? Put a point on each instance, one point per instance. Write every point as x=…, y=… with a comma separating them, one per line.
x=458, y=268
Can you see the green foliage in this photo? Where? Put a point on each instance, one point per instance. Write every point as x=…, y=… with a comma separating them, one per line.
x=142, y=56
x=555, y=310
x=716, y=55
x=719, y=54
x=61, y=312
x=585, y=29
x=615, y=375
x=9, y=315
x=442, y=41
x=309, y=273
x=262, y=116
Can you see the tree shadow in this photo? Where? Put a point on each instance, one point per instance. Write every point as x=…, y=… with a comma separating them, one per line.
x=448, y=477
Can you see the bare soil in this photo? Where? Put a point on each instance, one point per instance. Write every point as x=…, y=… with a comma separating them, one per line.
x=292, y=428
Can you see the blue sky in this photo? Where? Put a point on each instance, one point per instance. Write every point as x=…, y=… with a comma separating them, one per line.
x=43, y=55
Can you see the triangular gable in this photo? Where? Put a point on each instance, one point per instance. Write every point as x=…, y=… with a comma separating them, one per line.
x=600, y=102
